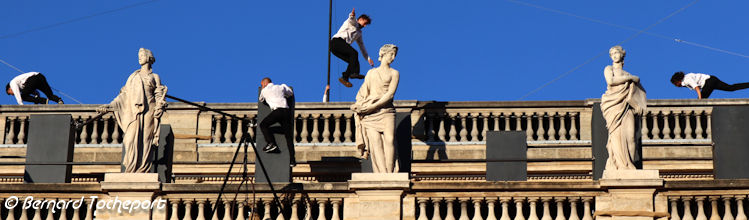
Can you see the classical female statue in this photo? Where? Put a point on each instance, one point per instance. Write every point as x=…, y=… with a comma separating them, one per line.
x=138, y=110
x=375, y=114
x=623, y=101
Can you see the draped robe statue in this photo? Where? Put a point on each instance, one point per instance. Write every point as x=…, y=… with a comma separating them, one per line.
x=138, y=110
x=375, y=114
x=623, y=101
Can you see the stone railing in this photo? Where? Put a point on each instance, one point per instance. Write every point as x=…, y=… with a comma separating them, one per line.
x=504, y=207
x=717, y=199
x=307, y=206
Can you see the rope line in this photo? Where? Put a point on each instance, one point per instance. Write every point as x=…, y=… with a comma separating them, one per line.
x=75, y=19
x=603, y=53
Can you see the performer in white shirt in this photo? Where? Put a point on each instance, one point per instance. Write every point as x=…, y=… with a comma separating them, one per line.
x=340, y=46
x=24, y=87
x=704, y=84
x=275, y=96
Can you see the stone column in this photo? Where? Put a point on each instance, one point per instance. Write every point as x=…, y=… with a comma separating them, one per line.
x=630, y=195
x=127, y=188
x=378, y=196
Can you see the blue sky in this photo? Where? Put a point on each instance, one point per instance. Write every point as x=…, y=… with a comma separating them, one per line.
x=217, y=51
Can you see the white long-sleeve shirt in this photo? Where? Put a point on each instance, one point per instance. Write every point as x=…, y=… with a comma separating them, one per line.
x=350, y=31
x=17, y=83
x=693, y=80
x=275, y=95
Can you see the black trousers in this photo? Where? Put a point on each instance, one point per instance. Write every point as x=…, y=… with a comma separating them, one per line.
x=282, y=116
x=342, y=50
x=37, y=82
x=714, y=83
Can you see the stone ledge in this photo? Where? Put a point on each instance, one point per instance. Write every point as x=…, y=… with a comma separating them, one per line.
x=631, y=178
x=378, y=181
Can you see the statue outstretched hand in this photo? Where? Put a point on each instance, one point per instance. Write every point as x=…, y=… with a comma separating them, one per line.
x=103, y=109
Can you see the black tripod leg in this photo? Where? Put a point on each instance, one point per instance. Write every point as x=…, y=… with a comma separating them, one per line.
x=226, y=177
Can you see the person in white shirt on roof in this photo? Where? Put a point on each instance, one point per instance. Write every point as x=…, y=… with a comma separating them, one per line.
x=275, y=96
x=340, y=46
x=704, y=84
x=24, y=87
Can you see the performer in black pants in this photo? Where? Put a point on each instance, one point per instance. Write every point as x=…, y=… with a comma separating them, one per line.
x=340, y=46
x=24, y=87
x=275, y=96
x=704, y=84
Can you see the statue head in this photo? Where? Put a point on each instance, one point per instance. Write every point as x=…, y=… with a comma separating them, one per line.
x=387, y=53
x=145, y=56
x=265, y=82
x=617, y=53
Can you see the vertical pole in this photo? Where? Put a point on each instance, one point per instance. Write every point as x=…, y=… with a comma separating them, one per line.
x=330, y=23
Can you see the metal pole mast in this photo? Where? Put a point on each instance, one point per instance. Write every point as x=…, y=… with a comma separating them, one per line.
x=330, y=23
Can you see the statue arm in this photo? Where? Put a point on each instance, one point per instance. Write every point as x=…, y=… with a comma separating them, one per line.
x=618, y=79
x=160, y=94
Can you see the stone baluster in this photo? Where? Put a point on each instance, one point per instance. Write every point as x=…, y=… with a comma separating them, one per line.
x=450, y=215
x=727, y=215
x=573, y=208
x=227, y=210
x=84, y=134
x=529, y=126
x=484, y=127
x=714, y=208
x=563, y=127
x=10, y=134
x=216, y=129
x=64, y=213
x=436, y=212
x=674, y=208
x=518, y=121
x=666, y=126
x=295, y=209
x=90, y=212
x=463, y=129
x=116, y=134
x=677, y=125
x=305, y=134
x=337, y=130
x=656, y=129
x=496, y=123
x=315, y=129
x=241, y=210
x=266, y=215
x=225, y=130
x=586, y=208
x=95, y=133
x=321, y=208
x=505, y=208
x=188, y=209
x=51, y=210
x=519, y=208
x=175, y=208
x=279, y=213
x=308, y=210
x=249, y=130
x=477, y=209
x=348, y=133
x=547, y=212
x=453, y=132
x=105, y=131
x=533, y=214
x=507, y=122
x=441, y=127
x=474, y=127
x=214, y=214
x=336, y=208
x=24, y=214
x=326, y=128
x=740, y=215
x=688, y=125
x=573, y=126
x=240, y=130
x=698, y=126
x=687, y=208
x=201, y=210
x=422, y=209
x=490, y=203
x=22, y=130
x=708, y=126
x=11, y=213
x=463, y=208
x=700, y=208
x=560, y=208
x=37, y=214
x=552, y=127
x=644, y=125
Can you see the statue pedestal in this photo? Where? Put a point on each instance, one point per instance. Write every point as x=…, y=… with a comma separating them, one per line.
x=128, y=189
x=630, y=196
x=378, y=196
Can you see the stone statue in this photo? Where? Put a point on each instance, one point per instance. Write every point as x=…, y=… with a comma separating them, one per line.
x=375, y=114
x=138, y=110
x=623, y=100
